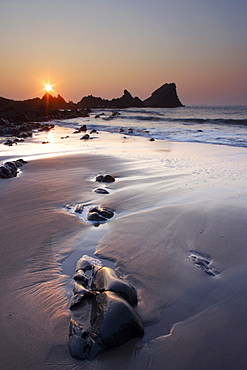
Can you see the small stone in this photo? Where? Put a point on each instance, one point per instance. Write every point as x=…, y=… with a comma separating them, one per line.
x=108, y=178
x=106, y=212
x=79, y=208
x=99, y=178
x=94, y=216
x=85, y=137
x=101, y=191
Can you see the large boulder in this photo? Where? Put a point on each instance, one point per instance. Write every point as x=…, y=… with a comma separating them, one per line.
x=102, y=308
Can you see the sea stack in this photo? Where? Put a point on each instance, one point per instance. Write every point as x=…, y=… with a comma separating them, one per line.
x=164, y=97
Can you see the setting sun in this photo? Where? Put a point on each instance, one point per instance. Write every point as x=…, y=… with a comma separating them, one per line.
x=48, y=87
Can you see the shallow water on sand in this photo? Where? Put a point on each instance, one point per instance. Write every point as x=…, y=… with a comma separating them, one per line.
x=171, y=201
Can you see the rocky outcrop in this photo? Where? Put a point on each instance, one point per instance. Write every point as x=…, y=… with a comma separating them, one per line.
x=36, y=103
x=11, y=169
x=50, y=107
x=164, y=97
x=127, y=100
x=18, y=118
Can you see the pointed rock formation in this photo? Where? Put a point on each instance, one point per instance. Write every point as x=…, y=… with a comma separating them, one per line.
x=127, y=100
x=164, y=97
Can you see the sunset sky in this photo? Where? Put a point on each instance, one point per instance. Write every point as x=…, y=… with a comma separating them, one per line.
x=102, y=47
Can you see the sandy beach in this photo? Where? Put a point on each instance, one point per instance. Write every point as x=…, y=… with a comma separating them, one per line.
x=175, y=204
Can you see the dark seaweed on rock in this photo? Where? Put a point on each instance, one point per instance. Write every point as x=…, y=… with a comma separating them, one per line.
x=102, y=310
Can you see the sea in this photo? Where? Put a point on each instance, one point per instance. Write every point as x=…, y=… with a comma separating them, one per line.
x=222, y=125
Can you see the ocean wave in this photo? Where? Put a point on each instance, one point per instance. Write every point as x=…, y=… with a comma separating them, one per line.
x=217, y=121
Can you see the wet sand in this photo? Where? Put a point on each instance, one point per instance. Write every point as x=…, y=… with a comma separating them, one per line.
x=178, y=235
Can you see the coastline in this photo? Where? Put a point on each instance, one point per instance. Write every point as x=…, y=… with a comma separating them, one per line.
x=169, y=199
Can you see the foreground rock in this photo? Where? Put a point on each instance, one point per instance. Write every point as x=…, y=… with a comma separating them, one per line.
x=103, y=316
x=10, y=169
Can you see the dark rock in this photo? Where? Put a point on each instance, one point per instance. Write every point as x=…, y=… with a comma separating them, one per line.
x=99, y=178
x=46, y=127
x=164, y=97
x=127, y=100
x=105, y=178
x=113, y=321
x=95, y=216
x=83, y=128
x=9, y=142
x=85, y=137
x=25, y=135
x=21, y=161
x=11, y=166
x=106, y=278
x=79, y=208
x=4, y=122
x=152, y=139
x=103, y=316
x=101, y=191
x=82, y=278
x=10, y=169
x=4, y=172
x=84, y=264
x=108, y=178
x=104, y=211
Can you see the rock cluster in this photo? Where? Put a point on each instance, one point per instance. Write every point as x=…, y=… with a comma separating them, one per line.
x=10, y=169
x=127, y=100
x=164, y=97
x=100, y=214
x=20, y=118
x=102, y=307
